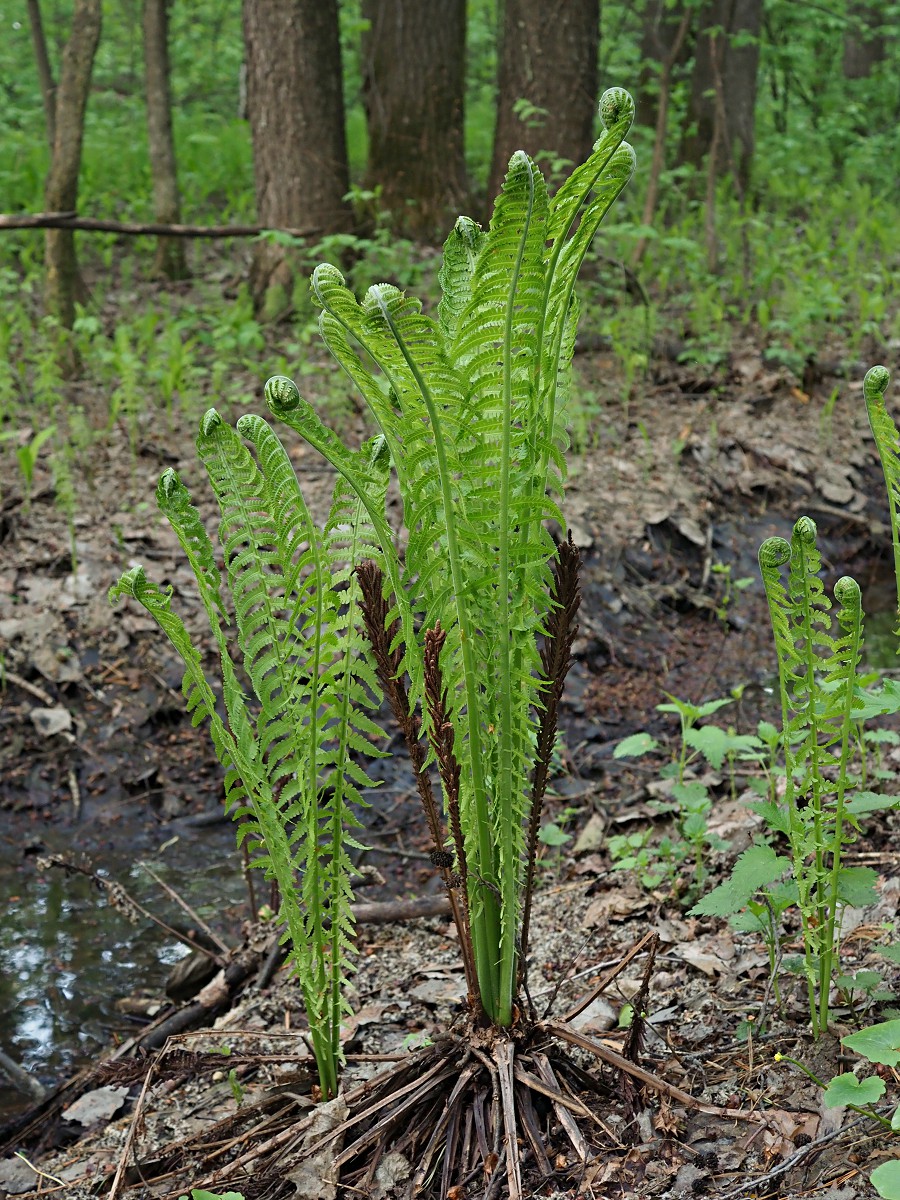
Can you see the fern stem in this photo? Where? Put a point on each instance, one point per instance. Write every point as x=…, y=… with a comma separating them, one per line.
x=850, y=617
x=486, y=914
x=887, y=442
x=441, y=734
x=556, y=658
x=389, y=664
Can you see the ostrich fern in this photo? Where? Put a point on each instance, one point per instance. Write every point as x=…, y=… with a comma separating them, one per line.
x=290, y=778
x=471, y=406
x=477, y=612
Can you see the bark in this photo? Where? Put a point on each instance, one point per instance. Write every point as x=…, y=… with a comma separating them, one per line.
x=296, y=108
x=548, y=58
x=659, y=36
x=659, y=142
x=169, y=262
x=413, y=67
x=864, y=41
x=724, y=25
x=45, y=71
x=62, y=283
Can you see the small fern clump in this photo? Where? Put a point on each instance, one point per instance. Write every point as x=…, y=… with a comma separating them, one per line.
x=817, y=674
x=469, y=629
x=291, y=778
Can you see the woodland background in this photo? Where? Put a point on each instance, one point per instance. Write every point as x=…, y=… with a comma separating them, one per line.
x=766, y=194
x=743, y=284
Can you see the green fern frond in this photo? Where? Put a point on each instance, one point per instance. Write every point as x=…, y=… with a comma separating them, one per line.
x=887, y=442
x=462, y=250
x=818, y=686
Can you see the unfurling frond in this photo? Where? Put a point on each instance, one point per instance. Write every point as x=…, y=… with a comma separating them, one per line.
x=469, y=410
x=293, y=777
x=887, y=441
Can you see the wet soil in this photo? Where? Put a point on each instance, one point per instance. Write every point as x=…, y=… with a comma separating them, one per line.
x=99, y=758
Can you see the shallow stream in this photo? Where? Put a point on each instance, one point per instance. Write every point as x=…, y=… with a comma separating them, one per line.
x=67, y=956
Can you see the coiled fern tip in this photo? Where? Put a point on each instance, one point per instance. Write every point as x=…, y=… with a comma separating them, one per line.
x=616, y=104
x=209, y=421
x=848, y=593
x=282, y=393
x=875, y=383
x=805, y=529
x=774, y=552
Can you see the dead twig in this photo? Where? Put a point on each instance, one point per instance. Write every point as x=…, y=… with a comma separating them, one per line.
x=71, y=220
x=574, y=1038
x=32, y=688
x=756, y=1187
x=182, y=903
x=604, y=983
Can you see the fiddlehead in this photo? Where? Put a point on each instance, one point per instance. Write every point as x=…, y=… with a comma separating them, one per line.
x=887, y=442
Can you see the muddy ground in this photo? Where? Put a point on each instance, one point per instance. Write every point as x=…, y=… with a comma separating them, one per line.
x=98, y=757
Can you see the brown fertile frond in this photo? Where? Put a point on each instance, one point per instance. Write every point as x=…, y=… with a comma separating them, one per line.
x=375, y=612
x=556, y=658
x=442, y=737
x=388, y=662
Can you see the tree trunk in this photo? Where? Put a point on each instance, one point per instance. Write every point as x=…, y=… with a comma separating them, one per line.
x=169, y=262
x=296, y=108
x=45, y=72
x=62, y=280
x=662, y=115
x=413, y=65
x=722, y=22
x=548, y=60
x=864, y=41
x=658, y=37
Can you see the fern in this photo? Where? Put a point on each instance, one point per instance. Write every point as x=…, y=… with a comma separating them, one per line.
x=817, y=685
x=291, y=776
x=887, y=442
x=469, y=405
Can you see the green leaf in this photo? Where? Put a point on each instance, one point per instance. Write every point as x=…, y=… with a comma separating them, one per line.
x=856, y=886
x=847, y=1089
x=635, y=746
x=886, y=1180
x=867, y=802
x=878, y=1043
x=754, y=869
x=713, y=706
x=862, y=981
x=551, y=835
x=203, y=1194
x=891, y=952
x=881, y=737
x=712, y=742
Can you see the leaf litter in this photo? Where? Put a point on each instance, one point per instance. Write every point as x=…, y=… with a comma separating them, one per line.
x=712, y=480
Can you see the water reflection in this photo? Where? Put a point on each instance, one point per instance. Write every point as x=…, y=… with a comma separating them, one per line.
x=66, y=955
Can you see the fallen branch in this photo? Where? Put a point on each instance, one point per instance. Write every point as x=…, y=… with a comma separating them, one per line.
x=71, y=220
x=21, y=1079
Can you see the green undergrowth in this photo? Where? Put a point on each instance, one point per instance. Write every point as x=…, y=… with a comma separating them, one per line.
x=804, y=262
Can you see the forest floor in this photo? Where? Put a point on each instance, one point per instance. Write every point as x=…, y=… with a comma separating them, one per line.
x=98, y=757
